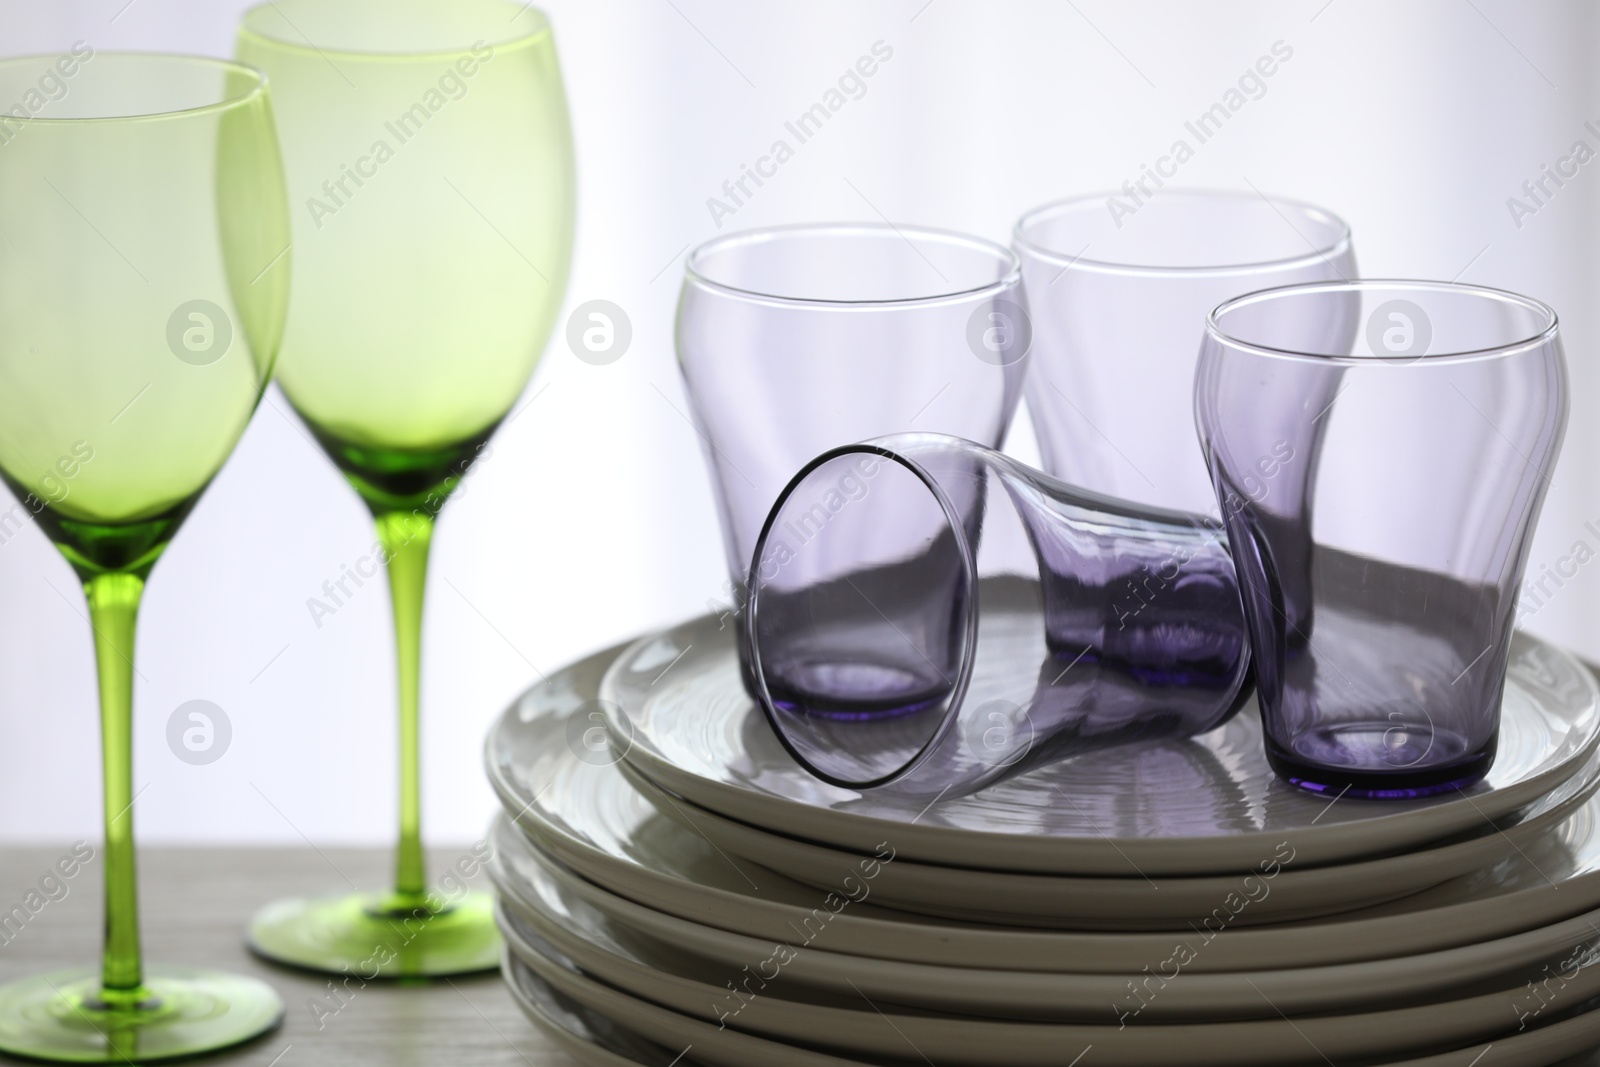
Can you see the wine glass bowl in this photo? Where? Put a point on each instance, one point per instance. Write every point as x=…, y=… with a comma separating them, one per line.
x=98, y=265
x=144, y=273
x=430, y=156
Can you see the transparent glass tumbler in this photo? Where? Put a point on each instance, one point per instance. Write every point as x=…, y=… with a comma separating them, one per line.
x=880, y=657
x=795, y=340
x=1436, y=411
x=1118, y=299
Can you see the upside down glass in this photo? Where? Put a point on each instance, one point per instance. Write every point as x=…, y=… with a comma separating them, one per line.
x=1448, y=407
x=879, y=656
x=794, y=340
x=144, y=273
x=429, y=160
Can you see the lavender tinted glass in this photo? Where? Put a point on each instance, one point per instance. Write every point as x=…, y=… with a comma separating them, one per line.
x=880, y=657
x=794, y=340
x=1380, y=451
x=1119, y=288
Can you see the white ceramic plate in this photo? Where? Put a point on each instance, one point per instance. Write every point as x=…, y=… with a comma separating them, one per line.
x=615, y=838
x=1271, y=890
x=682, y=1012
x=584, y=915
x=1203, y=805
x=587, y=1037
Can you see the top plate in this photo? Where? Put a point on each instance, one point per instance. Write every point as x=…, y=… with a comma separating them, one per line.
x=1188, y=806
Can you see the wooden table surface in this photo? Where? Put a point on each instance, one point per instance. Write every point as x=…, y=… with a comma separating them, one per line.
x=195, y=904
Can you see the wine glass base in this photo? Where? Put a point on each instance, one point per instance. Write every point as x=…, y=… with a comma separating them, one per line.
x=60, y=1017
x=364, y=935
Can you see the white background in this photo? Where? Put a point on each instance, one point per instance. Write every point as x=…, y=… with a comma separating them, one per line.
x=593, y=520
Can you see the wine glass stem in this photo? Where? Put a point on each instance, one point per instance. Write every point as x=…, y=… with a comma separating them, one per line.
x=113, y=613
x=406, y=536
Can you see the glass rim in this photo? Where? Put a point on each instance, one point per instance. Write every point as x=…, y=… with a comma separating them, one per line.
x=1338, y=245
x=258, y=88
x=1217, y=332
x=306, y=46
x=969, y=581
x=1010, y=279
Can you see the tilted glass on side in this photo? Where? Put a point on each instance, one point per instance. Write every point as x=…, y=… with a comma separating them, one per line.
x=880, y=659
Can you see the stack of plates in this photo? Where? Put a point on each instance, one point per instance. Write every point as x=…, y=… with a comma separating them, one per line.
x=675, y=890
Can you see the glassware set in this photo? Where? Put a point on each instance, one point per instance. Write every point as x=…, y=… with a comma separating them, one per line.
x=423, y=193
x=1170, y=585
x=390, y=233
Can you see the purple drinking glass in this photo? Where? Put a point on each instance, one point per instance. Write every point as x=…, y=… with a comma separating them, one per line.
x=1119, y=289
x=880, y=657
x=796, y=339
x=1437, y=411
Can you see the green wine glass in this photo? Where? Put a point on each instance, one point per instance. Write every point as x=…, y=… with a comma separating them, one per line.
x=429, y=159
x=144, y=277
